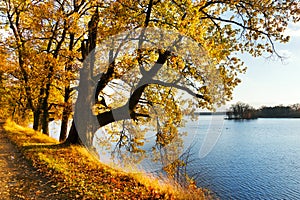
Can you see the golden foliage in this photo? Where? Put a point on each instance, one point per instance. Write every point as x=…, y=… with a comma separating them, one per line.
x=74, y=171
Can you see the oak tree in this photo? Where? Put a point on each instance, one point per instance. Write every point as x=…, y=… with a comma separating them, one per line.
x=136, y=60
x=221, y=28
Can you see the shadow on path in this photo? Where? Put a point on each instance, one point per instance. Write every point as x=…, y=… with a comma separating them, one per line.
x=18, y=178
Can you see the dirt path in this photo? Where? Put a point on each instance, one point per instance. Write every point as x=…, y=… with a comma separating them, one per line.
x=19, y=179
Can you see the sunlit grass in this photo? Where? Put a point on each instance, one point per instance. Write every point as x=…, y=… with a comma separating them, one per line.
x=75, y=170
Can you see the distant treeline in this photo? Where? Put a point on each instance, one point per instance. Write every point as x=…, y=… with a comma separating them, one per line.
x=244, y=111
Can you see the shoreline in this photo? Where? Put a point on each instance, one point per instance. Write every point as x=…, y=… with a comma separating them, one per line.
x=79, y=174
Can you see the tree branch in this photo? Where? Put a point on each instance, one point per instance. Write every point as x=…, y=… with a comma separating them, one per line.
x=178, y=87
x=245, y=27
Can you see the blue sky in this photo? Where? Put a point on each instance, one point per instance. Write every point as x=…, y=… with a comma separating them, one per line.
x=269, y=81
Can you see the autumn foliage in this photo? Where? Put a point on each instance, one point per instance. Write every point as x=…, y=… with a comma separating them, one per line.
x=51, y=68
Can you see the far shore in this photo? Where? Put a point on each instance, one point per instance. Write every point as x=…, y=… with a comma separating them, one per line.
x=236, y=118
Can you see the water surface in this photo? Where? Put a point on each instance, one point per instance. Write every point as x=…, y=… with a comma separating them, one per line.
x=257, y=159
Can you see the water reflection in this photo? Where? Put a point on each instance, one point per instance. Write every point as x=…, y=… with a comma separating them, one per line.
x=252, y=159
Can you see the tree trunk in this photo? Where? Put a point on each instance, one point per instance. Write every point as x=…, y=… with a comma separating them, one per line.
x=36, y=119
x=45, y=104
x=45, y=116
x=64, y=125
x=65, y=116
x=83, y=120
x=73, y=137
x=45, y=120
x=67, y=108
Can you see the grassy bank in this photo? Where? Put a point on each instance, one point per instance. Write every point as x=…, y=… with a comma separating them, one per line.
x=80, y=176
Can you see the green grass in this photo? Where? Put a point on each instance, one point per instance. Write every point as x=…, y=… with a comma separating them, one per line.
x=78, y=173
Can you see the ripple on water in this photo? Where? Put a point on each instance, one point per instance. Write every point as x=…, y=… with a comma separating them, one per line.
x=254, y=160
